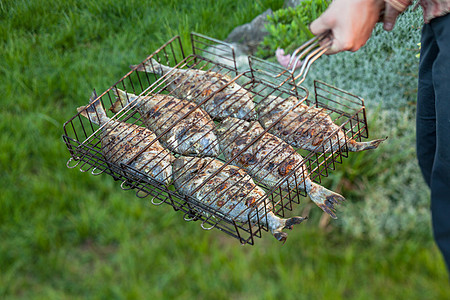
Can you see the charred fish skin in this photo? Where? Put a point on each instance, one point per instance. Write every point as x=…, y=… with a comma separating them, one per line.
x=307, y=127
x=270, y=160
x=121, y=141
x=191, y=135
x=225, y=97
x=231, y=192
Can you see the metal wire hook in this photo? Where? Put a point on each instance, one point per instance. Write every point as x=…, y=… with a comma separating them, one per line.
x=84, y=164
x=188, y=219
x=122, y=186
x=98, y=173
x=207, y=228
x=68, y=163
x=156, y=203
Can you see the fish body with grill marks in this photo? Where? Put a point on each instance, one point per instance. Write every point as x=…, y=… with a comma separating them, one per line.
x=270, y=161
x=190, y=129
x=121, y=141
x=223, y=96
x=307, y=127
x=231, y=192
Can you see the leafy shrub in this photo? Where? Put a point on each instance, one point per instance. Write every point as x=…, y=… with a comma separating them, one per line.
x=387, y=195
x=288, y=27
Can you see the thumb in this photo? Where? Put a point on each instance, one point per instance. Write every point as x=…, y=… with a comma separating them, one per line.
x=390, y=16
x=319, y=25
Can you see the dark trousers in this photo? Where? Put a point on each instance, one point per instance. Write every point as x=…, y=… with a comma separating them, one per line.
x=433, y=125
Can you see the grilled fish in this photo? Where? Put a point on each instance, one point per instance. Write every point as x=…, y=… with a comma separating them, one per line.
x=270, y=160
x=307, y=127
x=223, y=96
x=231, y=191
x=121, y=141
x=191, y=135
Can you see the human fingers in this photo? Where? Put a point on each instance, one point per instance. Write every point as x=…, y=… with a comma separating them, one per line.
x=321, y=24
x=390, y=17
x=335, y=39
x=331, y=43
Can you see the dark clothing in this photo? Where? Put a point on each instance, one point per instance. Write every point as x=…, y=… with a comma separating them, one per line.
x=433, y=125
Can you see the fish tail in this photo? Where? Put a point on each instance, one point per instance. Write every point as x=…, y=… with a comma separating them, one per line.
x=361, y=146
x=123, y=98
x=150, y=66
x=277, y=224
x=94, y=111
x=324, y=198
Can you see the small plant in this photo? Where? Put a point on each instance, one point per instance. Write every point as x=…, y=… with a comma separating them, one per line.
x=386, y=194
x=288, y=27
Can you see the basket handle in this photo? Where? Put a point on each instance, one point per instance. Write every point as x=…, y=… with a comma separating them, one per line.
x=308, y=53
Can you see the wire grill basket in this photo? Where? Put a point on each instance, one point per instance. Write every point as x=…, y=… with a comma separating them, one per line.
x=224, y=204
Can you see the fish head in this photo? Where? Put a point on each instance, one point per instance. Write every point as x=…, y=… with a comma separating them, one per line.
x=266, y=104
x=179, y=163
x=209, y=145
x=188, y=163
x=231, y=127
x=197, y=148
x=273, y=104
x=185, y=168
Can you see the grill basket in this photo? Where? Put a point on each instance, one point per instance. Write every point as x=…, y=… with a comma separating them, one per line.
x=262, y=79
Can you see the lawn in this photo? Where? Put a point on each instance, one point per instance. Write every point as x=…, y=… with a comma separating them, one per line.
x=70, y=235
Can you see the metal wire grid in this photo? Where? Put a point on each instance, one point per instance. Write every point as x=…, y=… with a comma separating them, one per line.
x=83, y=141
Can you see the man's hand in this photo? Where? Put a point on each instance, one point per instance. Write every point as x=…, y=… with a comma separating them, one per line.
x=351, y=23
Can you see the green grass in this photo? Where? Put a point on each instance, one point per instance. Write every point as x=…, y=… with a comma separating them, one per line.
x=70, y=235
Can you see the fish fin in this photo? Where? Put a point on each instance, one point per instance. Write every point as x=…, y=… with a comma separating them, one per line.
x=122, y=99
x=83, y=111
x=361, y=146
x=276, y=225
x=94, y=111
x=325, y=199
x=150, y=66
x=281, y=236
